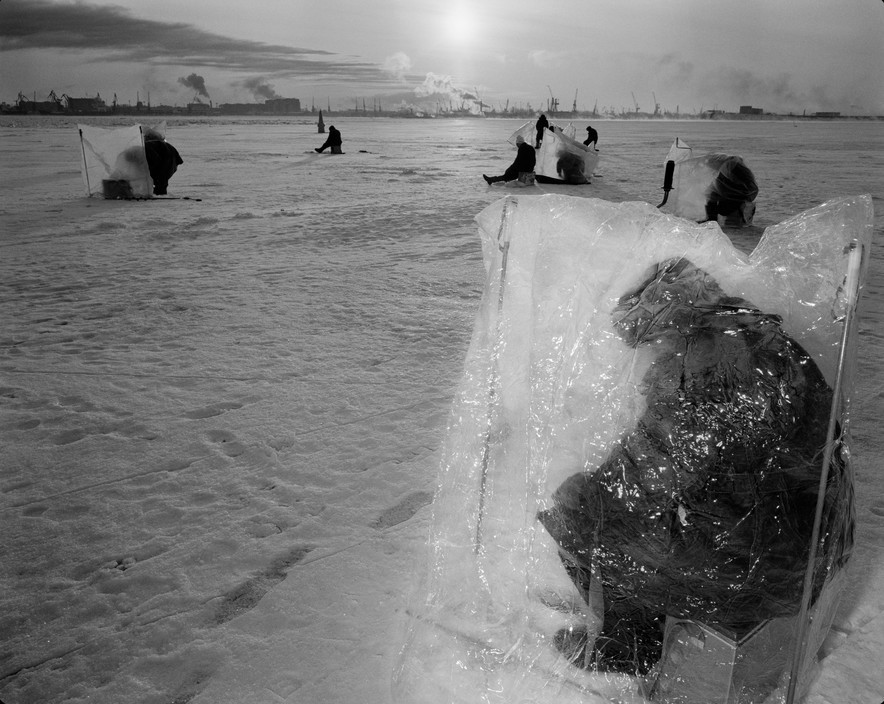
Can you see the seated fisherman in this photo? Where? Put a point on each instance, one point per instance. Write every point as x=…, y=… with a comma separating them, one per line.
x=524, y=163
x=333, y=142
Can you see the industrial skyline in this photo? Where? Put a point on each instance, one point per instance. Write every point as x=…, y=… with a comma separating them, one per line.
x=615, y=57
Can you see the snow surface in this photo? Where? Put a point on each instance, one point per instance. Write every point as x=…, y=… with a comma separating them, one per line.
x=221, y=418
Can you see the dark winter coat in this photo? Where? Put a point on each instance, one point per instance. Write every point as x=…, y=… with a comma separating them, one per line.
x=705, y=509
x=525, y=161
x=163, y=161
x=333, y=140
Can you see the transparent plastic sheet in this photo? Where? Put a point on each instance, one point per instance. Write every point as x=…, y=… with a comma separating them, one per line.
x=527, y=131
x=157, y=131
x=569, y=130
x=712, y=186
x=679, y=151
x=631, y=458
x=113, y=161
x=564, y=160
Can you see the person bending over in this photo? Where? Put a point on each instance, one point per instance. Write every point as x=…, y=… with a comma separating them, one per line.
x=163, y=160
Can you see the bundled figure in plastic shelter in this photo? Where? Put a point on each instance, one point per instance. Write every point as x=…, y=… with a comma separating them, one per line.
x=562, y=159
x=522, y=167
x=126, y=162
x=732, y=194
x=646, y=483
x=710, y=186
x=705, y=509
x=163, y=160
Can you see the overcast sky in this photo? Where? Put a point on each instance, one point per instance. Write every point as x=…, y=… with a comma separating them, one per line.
x=780, y=55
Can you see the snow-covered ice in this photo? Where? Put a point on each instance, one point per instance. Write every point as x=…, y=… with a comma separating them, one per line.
x=221, y=419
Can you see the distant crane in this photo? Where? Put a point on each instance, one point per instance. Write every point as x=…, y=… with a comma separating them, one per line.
x=635, y=102
x=656, y=104
x=479, y=100
x=553, y=103
x=574, y=107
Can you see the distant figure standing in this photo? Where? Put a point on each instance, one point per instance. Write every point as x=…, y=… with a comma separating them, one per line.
x=542, y=124
x=163, y=160
x=592, y=137
x=320, y=124
x=333, y=142
x=524, y=163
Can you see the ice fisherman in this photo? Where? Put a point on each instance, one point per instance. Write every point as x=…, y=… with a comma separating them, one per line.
x=592, y=137
x=163, y=160
x=541, y=124
x=524, y=163
x=333, y=142
x=732, y=194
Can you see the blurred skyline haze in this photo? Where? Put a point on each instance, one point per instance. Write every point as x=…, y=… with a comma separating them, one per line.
x=619, y=56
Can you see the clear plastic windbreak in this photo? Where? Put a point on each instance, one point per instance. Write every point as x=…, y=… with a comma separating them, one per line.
x=630, y=480
x=114, y=154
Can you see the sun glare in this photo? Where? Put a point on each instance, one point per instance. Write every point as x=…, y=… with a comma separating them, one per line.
x=461, y=26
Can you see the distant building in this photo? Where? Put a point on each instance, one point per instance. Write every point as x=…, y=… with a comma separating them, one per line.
x=282, y=106
x=43, y=107
x=85, y=106
x=199, y=108
x=240, y=108
x=274, y=106
x=827, y=114
x=749, y=110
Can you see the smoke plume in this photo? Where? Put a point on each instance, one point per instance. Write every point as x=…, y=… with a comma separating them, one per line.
x=442, y=89
x=260, y=88
x=198, y=83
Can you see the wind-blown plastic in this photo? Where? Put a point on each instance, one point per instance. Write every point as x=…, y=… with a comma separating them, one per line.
x=629, y=483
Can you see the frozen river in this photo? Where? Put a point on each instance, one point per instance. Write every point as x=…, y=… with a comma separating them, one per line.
x=221, y=418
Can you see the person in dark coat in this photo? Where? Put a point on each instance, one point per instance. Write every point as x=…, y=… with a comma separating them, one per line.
x=592, y=137
x=705, y=510
x=733, y=192
x=525, y=160
x=163, y=161
x=333, y=142
x=541, y=124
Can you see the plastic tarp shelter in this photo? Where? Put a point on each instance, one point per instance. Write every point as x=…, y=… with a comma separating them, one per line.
x=644, y=424
x=711, y=185
x=528, y=132
x=113, y=162
x=561, y=159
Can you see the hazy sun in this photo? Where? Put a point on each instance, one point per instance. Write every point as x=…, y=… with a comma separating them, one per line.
x=461, y=25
